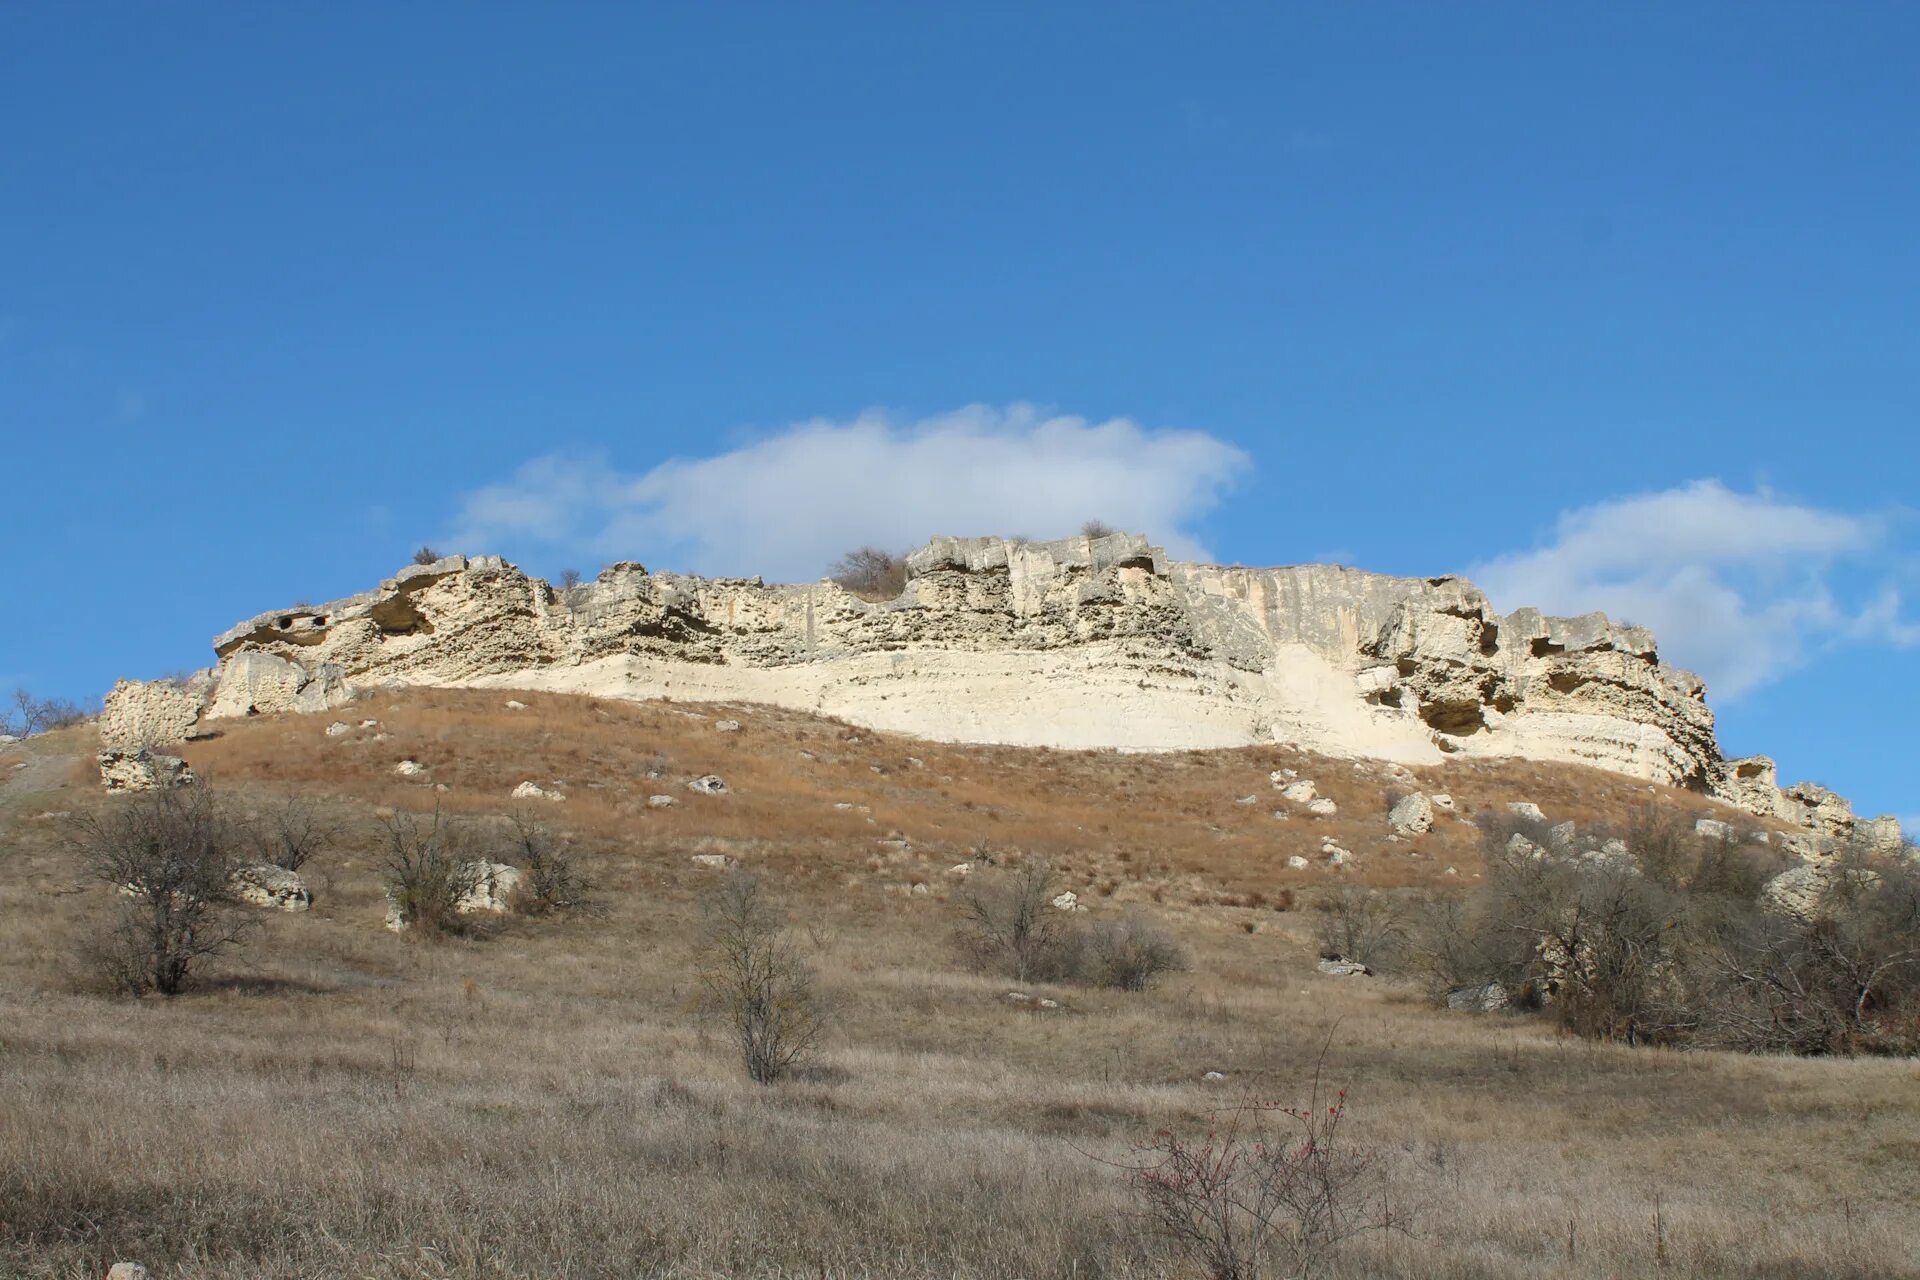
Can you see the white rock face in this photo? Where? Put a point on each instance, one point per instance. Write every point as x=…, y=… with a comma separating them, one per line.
x=153, y=713
x=142, y=770
x=1411, y=815
x=1103, y=642
x=270, y=886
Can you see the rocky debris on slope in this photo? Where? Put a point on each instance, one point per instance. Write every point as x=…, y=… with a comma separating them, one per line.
x=141, y=769
x=710, y=785
x=1298, y=863
x=534, y=791
x=1300, y=792
x=493, y=888
x=661, y=802
x=1323, y=807
x=1068, y=901
x=1341, y=967
x=1804, y=890
x=1127, y=648
x=126, y=1271
x=1526, y=809
x=712, y=861
x=1486, y=998
x=1712, y=829
x=266, y=885
x=1411, y=815
x=726, y=726
x=409, y=768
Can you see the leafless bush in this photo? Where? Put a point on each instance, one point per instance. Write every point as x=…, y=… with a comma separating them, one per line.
x=1362, y=924
x=757, y=980
x=569, y=579
x=1096, y=529
x=871, y=573
x=427, y=869
x=425, y=555
x=1010, y=925
x=1269, y=1190
x=171, y=856
x=550, y=883
x=27, y=715
x=1131, y=953
x=290, y=832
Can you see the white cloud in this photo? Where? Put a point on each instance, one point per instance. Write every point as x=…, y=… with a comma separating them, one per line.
x=786, y=506
x=1736, y=586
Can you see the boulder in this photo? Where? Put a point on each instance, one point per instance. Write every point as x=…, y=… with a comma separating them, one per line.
x=710, y=785
x=1068, y=901
x=1526, y=809
x=265, y=885
x=409, y=768
x=126, y=1271
x=141, y=769
x=534, y=791
x=1298, y=792
x=153, y=713
x=1323, y=807
x=1521, y=847
x=514, y=704
x=1298, y=863
x=1341, y=967
x=1441, y=800
x=661, y=802
x=1485, y=998
x=1713, y=829
x=493, y=888
x=1561, y=834
x=1411, y=815
x=1803, y=891
x=338, y=727
x=727, y=726
x=712, y=861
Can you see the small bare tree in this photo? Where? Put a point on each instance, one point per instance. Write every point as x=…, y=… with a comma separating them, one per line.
x=425, y=555
x=1363, y=925
x=871, y=573
x=171, y=856
x=1097, y=529
x=550, y=883
x=427, y=870
x=757, y=980
x=27, y=715
x=1131, y=953
x=1008, y=922
x=569, y=579
x=1269, y=1190
x=290, y=832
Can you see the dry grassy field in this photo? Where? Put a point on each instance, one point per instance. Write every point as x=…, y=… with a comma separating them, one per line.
x=546, y=1099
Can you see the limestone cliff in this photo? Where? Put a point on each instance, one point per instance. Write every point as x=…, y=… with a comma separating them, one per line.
x=1101, y=642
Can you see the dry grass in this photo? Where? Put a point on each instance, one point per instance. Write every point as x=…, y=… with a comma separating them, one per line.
x=546, y=1101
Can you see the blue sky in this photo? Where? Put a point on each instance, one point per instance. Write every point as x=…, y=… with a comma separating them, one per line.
x=1614, y=306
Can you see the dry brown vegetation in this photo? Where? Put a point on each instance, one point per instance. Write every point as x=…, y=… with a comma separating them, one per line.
x=544, y=1098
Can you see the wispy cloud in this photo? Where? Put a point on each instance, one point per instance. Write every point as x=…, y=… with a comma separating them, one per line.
x=1740, y=587
x=787, y=505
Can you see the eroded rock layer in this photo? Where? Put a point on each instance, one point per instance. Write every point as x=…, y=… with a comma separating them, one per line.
x=1085, y=642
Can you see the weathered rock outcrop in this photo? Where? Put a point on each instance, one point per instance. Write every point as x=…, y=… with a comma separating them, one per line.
x=1085, y=642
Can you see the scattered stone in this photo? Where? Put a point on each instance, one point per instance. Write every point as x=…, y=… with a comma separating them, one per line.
x=726, y=726
x=1044, y=1003
x=712, y=861
x=1068, y=901
x=1298, y=792
x=1713, y=829
x=1412, y=815
x=1521, y=847
x=266, y=885
x=1020, y=997
x=1441, y=800
x=514, y=704
x=1323, y=808
x=916, y=762
x=338, y=727
x=1338, y=857
x=409, y=768
x=920, y=889
x=1298, y=863
x=710, y=785
x=1341, y=967
x=534, y=791
x=127, y=1271
x=1247, y=800
x=1280, y=777
x=1451, y=871
x=1213, y=1077
x=141, y=770
x=1526, y=809
x=1561, y=835
x=960, y=869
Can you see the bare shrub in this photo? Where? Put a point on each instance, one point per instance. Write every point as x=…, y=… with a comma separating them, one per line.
x=1362, y=924
x=1096, y=529
x=290, y=832
x=569, y=579
x=1131, y=953
x=550, y=883
x=27, y=715
x=1269, y=1189
x=871, y=573
x=426, y=555
x=1010, y=925
x=427, y=868
x=171, y=856
x=757, y=980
